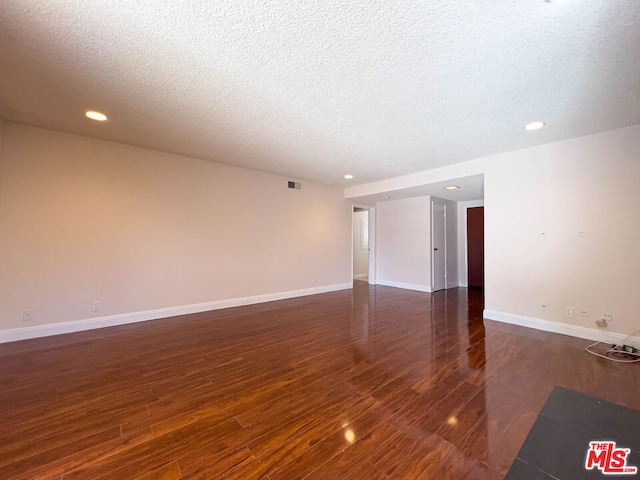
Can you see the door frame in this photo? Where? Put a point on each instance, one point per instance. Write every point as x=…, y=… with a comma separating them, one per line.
x=372, y=242
x=444, y=227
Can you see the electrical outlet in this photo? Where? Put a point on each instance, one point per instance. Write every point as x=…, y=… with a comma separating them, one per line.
x=569, y=311
x=95, y=305
x=607, y=317
x=601, y=323
x=27, y=316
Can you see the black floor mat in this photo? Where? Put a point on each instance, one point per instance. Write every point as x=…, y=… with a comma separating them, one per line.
x=557, y=446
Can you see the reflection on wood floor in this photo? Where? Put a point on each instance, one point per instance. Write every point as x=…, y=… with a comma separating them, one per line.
x=370, y=383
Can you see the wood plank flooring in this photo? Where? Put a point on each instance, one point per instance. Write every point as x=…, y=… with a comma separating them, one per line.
x=370, y=383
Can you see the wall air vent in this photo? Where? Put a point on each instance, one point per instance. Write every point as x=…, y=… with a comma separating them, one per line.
x=295, y=185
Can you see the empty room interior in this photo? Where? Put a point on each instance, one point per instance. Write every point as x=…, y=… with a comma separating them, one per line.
x=323, y=240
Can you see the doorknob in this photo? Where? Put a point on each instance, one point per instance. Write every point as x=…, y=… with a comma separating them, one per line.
x=435, y=249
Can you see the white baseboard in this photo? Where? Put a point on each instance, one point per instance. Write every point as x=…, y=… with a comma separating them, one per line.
x=361, y=275
x=406, y=286
x=556, y=327
x=36, y=331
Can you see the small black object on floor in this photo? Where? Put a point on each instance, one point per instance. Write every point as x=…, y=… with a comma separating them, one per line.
x=558, y=444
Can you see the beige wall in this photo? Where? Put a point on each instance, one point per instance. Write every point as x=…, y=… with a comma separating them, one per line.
x=562, y=229
x=84, y=219
x=583, y=195
x=403, y=251
x=1, y=162
x=403, y=243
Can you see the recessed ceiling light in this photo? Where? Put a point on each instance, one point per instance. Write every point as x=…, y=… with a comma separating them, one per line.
x=97, y=116
x=452, y=187
x=348, y=176
x=537, y=125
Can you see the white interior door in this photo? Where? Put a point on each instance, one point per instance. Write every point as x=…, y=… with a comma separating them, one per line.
x=372, y=241
x=438, y=246
x=360, y=243
x=363, y=252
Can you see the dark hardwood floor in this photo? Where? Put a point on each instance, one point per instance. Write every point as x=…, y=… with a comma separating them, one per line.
x=374, y=383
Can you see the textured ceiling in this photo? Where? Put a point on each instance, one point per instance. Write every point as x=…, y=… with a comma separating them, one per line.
x=316, y=89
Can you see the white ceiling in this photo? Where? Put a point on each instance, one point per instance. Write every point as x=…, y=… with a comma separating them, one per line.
x=316, y=89
x=471, y=188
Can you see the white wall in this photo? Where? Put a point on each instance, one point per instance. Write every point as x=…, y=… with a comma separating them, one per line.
x=587, y=184
x=561, y=229
x=360, y=255
x=403, y=251
x=83, y=219
x=403, y=243
x=462, y=239
x=1, y=162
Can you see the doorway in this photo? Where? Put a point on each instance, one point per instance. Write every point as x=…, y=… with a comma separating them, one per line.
x=438, y=246
x=362, y=245
x=475, y=247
